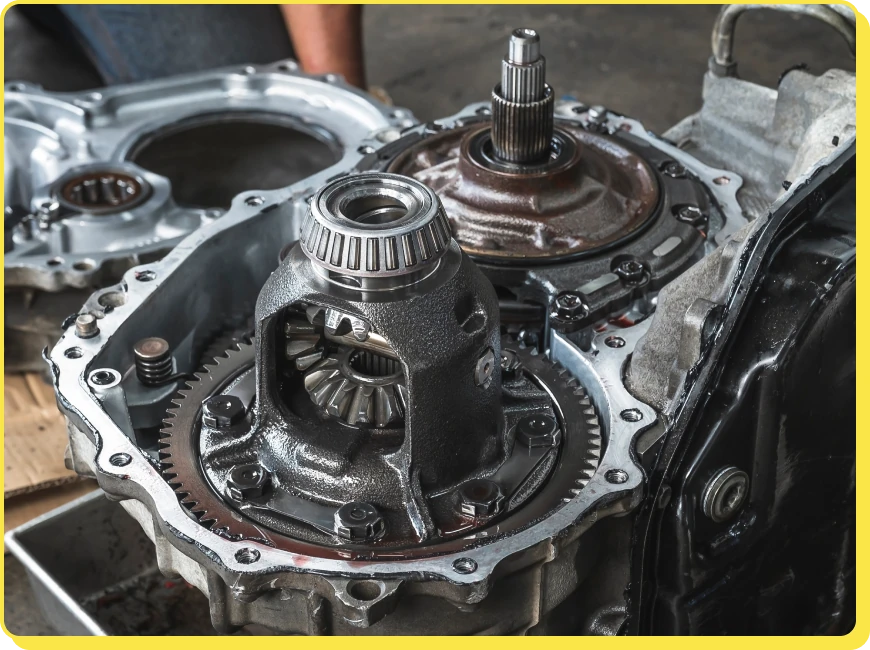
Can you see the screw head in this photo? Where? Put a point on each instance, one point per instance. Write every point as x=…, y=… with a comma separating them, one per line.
x=631, y=271
x=511, y=366
x=358, y=521
x=480, y=498
x=674, y=170
x=568, y=310
x=247, y=481
x=222, y=411
x=691, y=215
x=86, y=326
x=569, y=306
x=539, y=430
x=483, y=369
x=725, y=494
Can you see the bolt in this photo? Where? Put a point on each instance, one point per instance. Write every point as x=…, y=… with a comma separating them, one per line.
x=631, y=271
x=483, y=369
x=725, y=494
x=569, y=306
x=86, y=326
x=48, y=211
x=538, y=430
x=510, y=364
x=597, y=113
x=691, y=215
x=358, y=522
x=480, y=498
x=529, y=338
x=247, y=481
x=222, y=411
x=153, y=360
x=674, y=170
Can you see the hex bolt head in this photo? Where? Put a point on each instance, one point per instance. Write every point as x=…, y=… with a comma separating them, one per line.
x=480, y=498
x=674, y=170
x=539, y=430
x=86, y=326
x=691, y=215
x=483, y=369
x=359, y=522
x=247, y=481
x=569, y=306
x=725, y=494
x=511, y=366
x=222, y=411
x=631, y=271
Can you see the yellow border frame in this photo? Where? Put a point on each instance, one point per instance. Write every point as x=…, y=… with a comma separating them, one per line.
x=855, y=639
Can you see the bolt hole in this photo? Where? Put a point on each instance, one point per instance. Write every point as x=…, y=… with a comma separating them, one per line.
x=145, y=276
x=722, y=180
x=103, y=377
x=84, y=265
x=615, y=476
x=93, y=97
x=73, y=353
x=120, y=460
x=365, y=590
x=54, y=261
x=290, y=66
x=249, y=70
x=365, y=150
x=465, y=565
x=254, y=201
x=631, y=415
x=614, y=342
x=16, y=88
x=483, y=110
x=112, y=299
x=247, y=555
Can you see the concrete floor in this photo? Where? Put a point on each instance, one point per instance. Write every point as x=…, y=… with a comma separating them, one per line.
x=643, y=61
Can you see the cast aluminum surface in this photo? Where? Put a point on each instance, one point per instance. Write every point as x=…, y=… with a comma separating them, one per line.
x=51, y=135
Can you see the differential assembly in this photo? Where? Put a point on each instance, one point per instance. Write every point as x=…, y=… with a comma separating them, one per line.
x=371, y=407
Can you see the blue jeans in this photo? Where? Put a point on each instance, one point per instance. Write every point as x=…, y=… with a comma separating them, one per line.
x=129, y=43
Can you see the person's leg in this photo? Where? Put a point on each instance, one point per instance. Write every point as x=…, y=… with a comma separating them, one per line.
x=137, y=42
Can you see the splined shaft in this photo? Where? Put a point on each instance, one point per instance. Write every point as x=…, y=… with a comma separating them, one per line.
x=523, y=103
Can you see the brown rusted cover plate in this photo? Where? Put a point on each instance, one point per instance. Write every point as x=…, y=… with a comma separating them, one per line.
x=603, y=193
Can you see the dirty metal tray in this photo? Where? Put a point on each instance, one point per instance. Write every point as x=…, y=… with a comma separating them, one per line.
x=93, y=572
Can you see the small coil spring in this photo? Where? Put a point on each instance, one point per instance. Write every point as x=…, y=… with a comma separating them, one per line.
x=153, y=361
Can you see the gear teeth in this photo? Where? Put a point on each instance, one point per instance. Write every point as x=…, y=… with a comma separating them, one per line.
x=356, y=404
x=196, y=505
x=360, y=410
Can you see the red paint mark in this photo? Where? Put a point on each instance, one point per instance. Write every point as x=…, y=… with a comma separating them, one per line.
x=622, y=321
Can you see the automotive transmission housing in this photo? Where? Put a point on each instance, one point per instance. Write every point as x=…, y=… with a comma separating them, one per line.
x=526, y=369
